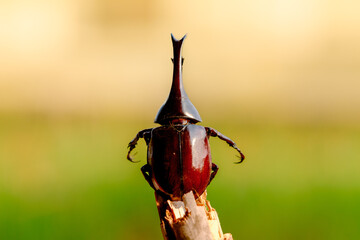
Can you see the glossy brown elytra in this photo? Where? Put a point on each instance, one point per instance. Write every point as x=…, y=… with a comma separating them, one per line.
x=178, y=155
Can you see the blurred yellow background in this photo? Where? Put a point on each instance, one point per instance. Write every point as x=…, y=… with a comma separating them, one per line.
x=79, y=78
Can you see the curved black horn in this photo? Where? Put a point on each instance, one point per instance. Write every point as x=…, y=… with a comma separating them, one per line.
x=178, y=104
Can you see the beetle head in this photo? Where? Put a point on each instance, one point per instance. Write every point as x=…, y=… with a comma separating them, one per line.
x=178, y=104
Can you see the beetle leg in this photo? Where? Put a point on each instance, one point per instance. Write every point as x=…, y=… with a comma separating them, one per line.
x=142, y=134
x=146, y=171
x=214, y=133
x=214, y=169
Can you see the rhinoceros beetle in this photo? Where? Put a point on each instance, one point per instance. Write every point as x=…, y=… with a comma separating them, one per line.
x=178, y=154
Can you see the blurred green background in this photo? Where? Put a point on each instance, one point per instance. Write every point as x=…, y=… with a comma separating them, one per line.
x=78, y=80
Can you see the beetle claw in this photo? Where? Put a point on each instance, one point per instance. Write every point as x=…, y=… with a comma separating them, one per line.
x=133, y=161
x=130, y=158
x=241, y=157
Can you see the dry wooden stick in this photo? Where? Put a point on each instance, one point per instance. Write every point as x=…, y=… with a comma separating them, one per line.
x=189, y=219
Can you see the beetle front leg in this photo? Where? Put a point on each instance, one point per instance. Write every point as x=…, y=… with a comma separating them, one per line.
x=142, y=134
x=214, y=133
x=214, y=169
x=146, y=171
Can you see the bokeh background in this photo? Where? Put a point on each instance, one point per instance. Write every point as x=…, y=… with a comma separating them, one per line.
x=79, y=78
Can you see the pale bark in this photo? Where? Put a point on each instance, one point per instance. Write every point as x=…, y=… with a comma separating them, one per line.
x=189, y=219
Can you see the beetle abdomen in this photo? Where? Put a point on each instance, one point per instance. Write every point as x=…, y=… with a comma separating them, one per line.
x=180, y=159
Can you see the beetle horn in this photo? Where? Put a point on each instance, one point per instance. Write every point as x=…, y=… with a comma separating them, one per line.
x=178, y=104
